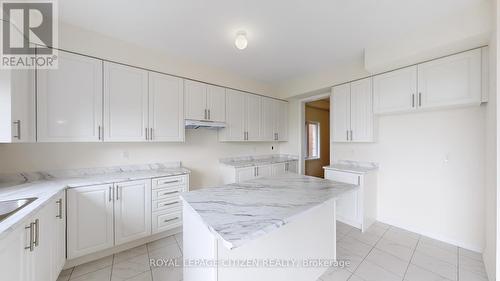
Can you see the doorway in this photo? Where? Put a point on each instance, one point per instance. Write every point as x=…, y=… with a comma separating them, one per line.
x=316, y=139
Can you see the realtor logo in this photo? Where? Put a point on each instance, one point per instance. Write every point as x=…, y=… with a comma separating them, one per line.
x=29, y=34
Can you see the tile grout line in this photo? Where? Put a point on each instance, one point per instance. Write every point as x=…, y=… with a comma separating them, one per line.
x=411, y=258
x=458, y=263
x=71, y=273
x=373, y=247
x=112, y=266
x=149, y=262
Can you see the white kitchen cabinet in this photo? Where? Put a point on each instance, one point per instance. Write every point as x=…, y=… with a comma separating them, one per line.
x=352, y=112
x=264, y=171
x=14, y=264
x=279, y=169
x=281, y=120
x=292, y=167
x=239, y=174
x=216, y=103
x=357, y=208
x=166, y=204
x=252, y=117
x=69, y=100
x=132, y=210
x=58, y=216
x=204, y=102
x=446, y=82
x=244, y=174
x=125, y=103
x=90, y=219
x=450, y=81
x=235, y=117
x=166, y=108
x=17, y=109
x=395, y=91
x=340, y=113
x=268, y=119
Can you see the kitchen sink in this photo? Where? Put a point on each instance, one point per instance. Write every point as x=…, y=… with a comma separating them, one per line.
x=10, y=207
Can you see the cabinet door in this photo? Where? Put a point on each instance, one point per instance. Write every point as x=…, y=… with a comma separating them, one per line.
x=252, y=117
x=59, y=236
x=69, y=100
x=278, y=169
x=450, y=81
x=166, y=108
x=244, y=174
x=348, y=208
x=22, y=87
x=42, y=258
x=235, y=117
x=362, y=111
x=395, y=91
x=125, y=103
x=216, y=103
x=340, y=113
x=132, y=210
x=14, y=264
x=293, y=167
x=90, y=219
x=195, y=103
x=281, y=120
x=264, y=171
x=268, y=119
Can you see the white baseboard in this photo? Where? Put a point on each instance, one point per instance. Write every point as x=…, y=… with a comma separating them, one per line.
x=119, y=248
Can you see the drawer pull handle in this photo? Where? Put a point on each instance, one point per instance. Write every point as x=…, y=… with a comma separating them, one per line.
x=171, y=192
x=169, y=220
x=172, y=203
x=167, y=182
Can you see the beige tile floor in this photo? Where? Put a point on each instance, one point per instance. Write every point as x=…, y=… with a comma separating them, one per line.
x=383, y=253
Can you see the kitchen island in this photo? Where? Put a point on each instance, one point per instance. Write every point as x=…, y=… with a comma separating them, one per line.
x=272, y=228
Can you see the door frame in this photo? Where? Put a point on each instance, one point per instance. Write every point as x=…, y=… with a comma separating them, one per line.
x=302, y=117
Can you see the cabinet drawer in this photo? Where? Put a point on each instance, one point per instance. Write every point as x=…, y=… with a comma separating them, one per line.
x=343, y=177
x=166, y=193
x=162, y=222
x=166, y=204
x=169, y=181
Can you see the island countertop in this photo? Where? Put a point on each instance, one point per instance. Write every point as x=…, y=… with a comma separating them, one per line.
x=241, y=212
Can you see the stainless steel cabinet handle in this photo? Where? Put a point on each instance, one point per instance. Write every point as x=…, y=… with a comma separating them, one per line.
x=167, y=182
x=351, y=135
x=171, y=192
x=169, y=220
x=31, y=228
x=209, y=118
x=412, y=100
x=117, y=192
x=147, y=133
x=168, y=204
x=205, y=117
x=18, y=128
x=347, y=134
x=36, y=225
x=99, y=132
x=59, y=203
x=419, y=99
x=151, y=133
x=110, y=196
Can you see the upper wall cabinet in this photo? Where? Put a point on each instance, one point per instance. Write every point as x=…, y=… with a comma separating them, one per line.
x=235, y=117
x=268, y=119
x=166, y=104
x=70, y=100
x=252, y=117
x=204, y=102
x=125, y=103
x=281, y=120
x=447, y=82
x=17, y=109
x=352, y=112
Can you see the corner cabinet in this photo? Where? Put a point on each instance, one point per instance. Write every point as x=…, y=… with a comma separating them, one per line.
x=447, y=82
x=352, y=112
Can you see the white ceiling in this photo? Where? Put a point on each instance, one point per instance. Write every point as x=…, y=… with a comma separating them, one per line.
x=287, y=38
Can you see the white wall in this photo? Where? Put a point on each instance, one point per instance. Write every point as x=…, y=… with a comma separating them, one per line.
x=490, y=255
x=200, y=153
x=418, y=189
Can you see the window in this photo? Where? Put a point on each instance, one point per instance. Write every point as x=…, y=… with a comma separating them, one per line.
x=312, y=131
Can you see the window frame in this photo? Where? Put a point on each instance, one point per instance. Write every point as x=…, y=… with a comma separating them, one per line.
x=318, y=140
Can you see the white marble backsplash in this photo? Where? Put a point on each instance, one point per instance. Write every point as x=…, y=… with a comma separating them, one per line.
x=254, y=160
x=240, y=212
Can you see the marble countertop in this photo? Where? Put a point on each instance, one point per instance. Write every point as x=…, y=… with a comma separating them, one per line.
x=249, y=161
x=238, y=213
x=46, y=185
x=353, y=167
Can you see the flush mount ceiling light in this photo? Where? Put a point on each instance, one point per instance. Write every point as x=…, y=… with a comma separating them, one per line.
x=241, y=41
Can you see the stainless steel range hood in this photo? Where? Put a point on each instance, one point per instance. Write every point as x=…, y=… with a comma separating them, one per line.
x=197, y=124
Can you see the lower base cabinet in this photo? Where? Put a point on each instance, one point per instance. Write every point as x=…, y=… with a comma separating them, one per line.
x=236, y=175
x=36, y=250
x=357, y=208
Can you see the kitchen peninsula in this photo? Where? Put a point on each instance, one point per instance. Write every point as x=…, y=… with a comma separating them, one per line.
x=276, y=222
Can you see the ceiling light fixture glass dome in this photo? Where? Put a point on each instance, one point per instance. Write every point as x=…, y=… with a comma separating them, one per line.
x=241, y=41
